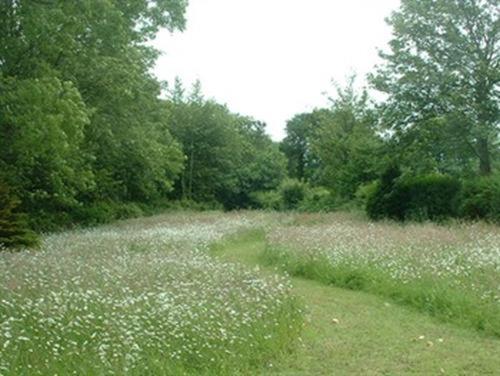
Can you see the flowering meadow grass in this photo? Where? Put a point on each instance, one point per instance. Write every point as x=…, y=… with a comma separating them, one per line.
x=141, y=297
x=450, y=271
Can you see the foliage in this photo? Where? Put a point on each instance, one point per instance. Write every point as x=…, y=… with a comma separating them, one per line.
x=425, y=197
x=317, y=199
x=428, y=197
x=347, y=144
x=300, y=131
x=268, y=200
x=85, y=136
x=339, y=147
x=364, y=192
x=228, y=156
x=382, y=203
x=14, y=230
x=41, y=139
x=441, y=75
x=295, y=195
x=293, y=192
x=81, y=121
x=481, y=198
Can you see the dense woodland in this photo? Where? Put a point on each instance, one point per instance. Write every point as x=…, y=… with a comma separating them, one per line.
x=88, y=134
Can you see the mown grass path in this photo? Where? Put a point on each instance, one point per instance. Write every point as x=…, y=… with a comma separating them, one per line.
x=371, y=337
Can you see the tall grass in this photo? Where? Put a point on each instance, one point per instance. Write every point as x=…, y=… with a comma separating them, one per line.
x=451, y=272
x=141, y=297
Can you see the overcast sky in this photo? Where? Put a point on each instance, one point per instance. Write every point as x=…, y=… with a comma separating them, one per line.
x=272, y=59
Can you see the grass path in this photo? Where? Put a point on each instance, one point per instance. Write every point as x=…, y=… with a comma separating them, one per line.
x=371, y=337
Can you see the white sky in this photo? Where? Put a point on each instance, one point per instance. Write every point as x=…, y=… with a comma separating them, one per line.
x=272, y=59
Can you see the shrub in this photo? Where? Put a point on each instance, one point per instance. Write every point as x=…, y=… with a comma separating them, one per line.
x=433, y=197
x=95, y=214
x=14, y=230
x=382, y=202
x=364, y=192
x=317, y=199
x=128, y=210
x=481, y=199
x=268, y=200
x=293, y=192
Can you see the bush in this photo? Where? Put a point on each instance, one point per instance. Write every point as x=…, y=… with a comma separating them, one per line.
x=128, y=210
x=95, y=214
x=14, y=230
x=317, y=199
x=481, y=199
x=267, y=200
x=364, y=192
x=382, y=202
x=432, y=197
x=293, y=192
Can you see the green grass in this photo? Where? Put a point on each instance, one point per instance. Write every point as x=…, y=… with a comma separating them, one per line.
x=427, y=294
x=90, y=300
x=141, y=298
x=372, y=336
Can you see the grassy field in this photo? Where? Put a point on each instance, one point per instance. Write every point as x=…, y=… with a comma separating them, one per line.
x=350, y=332
x=141, y=297
x=211, y=293
x=449, y=271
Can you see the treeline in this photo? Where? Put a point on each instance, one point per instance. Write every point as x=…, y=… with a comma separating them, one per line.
x=82, y=128
x=85, y=136
x=431, y=149
x=228, y=157
x=346, y=157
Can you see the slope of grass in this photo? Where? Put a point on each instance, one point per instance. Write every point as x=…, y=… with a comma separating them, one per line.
x=355, y=333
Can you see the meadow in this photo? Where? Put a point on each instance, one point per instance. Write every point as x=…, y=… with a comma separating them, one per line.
x=190, y=294
x=141, y=297
x=450, y=271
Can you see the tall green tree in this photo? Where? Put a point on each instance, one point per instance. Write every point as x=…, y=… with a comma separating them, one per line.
x=301, y=131
x=261, y=166
x=443, y=71
x=347, y=143
x=228, y=156
x=75, y=78
x=210, y=142
x=295, y=145
x=42, y=125
x=14, y=230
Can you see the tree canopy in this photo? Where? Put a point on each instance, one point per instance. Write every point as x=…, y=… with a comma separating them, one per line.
x=442, y=77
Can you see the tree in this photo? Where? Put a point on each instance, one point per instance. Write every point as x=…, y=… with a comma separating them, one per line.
x=347, y=144
x=14, y=231
x=210, y=140
x=228, y=156
x=383, y=203
x=42, y=125
x=300, y=130
x=80, y=116
x=261, y=166
x=444, y=67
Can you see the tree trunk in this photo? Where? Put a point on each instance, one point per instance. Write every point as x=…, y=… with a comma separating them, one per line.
x=484, y=156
